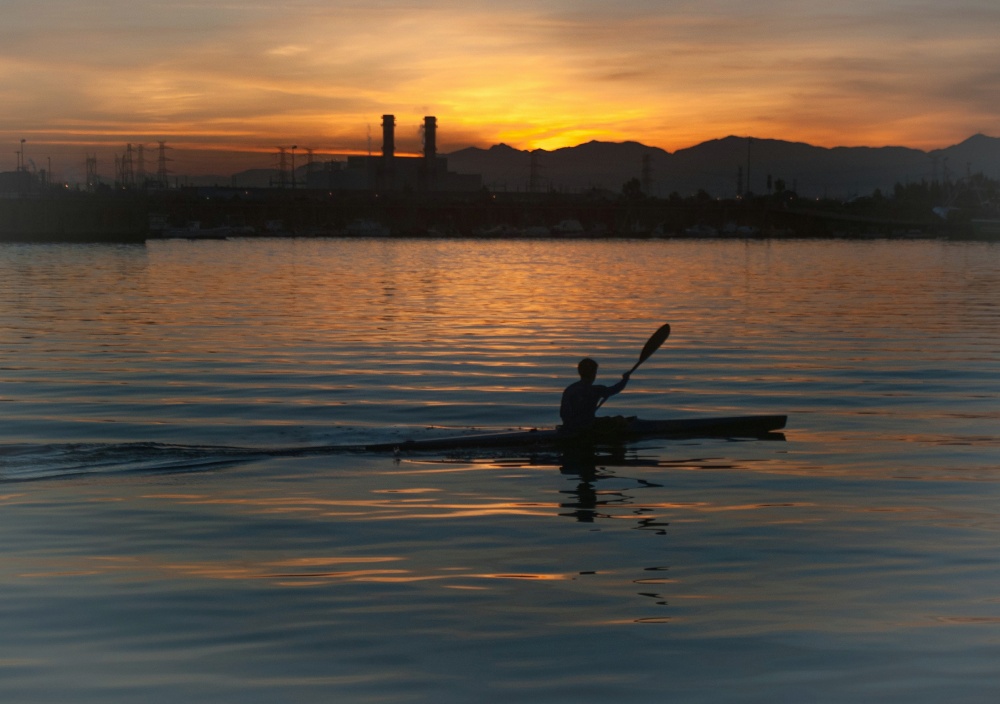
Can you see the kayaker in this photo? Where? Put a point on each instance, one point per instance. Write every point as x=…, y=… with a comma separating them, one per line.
x=581, y=398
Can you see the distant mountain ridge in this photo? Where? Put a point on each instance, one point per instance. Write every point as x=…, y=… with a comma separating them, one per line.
x=715, y=166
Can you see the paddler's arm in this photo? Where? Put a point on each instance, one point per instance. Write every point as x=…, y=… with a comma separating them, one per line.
x=610, y=391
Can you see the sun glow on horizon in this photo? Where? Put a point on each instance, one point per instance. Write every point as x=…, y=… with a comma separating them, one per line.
x=252, y=77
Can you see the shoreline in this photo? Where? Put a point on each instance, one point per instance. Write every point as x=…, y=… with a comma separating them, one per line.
x=223, y=213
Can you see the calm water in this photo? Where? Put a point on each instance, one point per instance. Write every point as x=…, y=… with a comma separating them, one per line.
x=172, y=530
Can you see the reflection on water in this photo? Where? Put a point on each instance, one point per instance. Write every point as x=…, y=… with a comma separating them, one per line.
x=582, y=463
x=189, y=535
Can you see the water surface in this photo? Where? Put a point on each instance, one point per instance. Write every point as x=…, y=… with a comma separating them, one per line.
x=173, y=528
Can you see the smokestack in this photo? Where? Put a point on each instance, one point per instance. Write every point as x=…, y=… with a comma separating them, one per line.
x=388, y=136
x=430, y=139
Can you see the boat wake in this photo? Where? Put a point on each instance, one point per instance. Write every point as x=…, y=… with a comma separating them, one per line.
x=26, y=462
x=30, y=462
x=21, y=462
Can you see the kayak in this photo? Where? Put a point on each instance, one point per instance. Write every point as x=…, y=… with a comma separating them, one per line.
x=626, y=430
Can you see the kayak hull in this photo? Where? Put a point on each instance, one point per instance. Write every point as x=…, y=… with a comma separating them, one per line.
x=629, y=429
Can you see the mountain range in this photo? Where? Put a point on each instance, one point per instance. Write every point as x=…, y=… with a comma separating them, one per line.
x=720, y=166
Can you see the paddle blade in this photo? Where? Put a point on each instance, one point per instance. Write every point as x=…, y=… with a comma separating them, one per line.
x=653, y=344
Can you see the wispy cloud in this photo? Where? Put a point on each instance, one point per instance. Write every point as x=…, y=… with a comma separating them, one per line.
x=250, y=74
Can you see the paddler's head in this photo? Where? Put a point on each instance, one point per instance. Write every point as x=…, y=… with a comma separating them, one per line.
x=587, y=368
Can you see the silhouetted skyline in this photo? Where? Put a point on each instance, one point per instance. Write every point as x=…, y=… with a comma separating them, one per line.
x=250, y=77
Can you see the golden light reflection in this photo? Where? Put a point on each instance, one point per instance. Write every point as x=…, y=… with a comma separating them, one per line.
x=296, y=572
x=141, y=567
x=374, y=509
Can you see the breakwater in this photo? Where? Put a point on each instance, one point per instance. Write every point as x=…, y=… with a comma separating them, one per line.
x=199, y=212
x=486, y=214
x=76, y=217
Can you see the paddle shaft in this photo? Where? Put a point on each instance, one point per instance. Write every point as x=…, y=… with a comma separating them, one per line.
x=652, y=344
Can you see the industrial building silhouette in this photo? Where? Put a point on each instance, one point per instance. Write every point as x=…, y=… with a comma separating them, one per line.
x=427, y=173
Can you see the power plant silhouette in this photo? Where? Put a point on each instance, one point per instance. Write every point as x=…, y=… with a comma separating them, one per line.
x=391, y=172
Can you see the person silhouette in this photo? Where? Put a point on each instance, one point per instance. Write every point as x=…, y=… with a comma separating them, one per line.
x=581, y=399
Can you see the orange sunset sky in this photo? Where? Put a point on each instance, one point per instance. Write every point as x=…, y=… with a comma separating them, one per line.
x=89, y=76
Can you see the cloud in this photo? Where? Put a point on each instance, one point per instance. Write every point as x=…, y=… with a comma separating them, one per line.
x=250, y=74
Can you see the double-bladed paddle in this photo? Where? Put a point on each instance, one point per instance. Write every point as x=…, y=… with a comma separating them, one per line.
x=652, y=344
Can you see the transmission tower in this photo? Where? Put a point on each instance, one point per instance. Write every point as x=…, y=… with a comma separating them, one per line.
x=124, y=172
x=282, y=167
x=141, y=171
x=647, y=174
x=161, y=165
x=92, y=180
x=534, y=174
